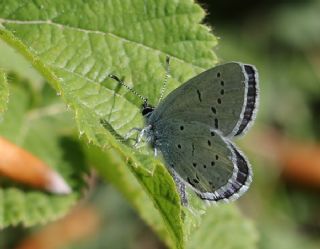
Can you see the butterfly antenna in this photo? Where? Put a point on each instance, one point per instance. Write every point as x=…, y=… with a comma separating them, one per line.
x=164, y=86
x=145, y=100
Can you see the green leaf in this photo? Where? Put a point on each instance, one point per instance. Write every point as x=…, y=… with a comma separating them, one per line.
x=76, y=44
x=4, y=93
x=39, y=127
x=224, y=227
x=12, y=61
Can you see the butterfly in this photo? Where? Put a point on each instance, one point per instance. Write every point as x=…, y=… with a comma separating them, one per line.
x=193, y=128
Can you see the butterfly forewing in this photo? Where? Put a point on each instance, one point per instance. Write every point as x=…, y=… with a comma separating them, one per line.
x=223, y=97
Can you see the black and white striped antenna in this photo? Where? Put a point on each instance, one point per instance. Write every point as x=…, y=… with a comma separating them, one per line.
x=145, y=100
x=164, y=86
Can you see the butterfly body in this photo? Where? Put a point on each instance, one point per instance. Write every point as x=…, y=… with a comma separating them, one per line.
x=193, y=127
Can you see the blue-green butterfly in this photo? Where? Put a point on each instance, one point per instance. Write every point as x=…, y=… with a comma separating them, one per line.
x=194, y=125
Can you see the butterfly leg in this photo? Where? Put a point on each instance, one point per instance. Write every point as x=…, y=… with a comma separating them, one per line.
x=131, y=132
x=181, y=187
x=143, y=133
x=140, y=136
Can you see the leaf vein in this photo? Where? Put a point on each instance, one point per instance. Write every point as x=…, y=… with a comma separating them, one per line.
x=50, y=22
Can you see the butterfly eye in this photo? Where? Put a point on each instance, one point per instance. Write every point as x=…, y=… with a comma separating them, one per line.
x=147, y=110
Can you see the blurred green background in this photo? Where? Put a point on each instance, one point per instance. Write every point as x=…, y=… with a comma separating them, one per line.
x=282, y=39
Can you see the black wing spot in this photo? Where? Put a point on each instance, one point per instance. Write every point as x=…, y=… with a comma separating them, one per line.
x=190, y=182
x=192, y=149
x=195, y=180
x=218, y=75
x=181, y=127
x=212, y=185
x=213, y=110
x=199, y=95
x=212, y=133
x=222, y=83
x=209, y=142
x=216, y=123
x=194, y=164
x=213, y=163
x=219, y=101
x=204, y=166
x=221, y=91
x=179, y=146
x=172, y=165
x=217, y=157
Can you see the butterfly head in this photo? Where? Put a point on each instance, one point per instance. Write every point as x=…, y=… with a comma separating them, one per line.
x=146, y=109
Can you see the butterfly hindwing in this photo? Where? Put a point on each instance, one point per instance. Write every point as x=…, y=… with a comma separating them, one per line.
x=203, y=159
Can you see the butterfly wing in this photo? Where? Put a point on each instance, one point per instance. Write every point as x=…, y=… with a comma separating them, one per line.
x=202, y=158
x=224, y=97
